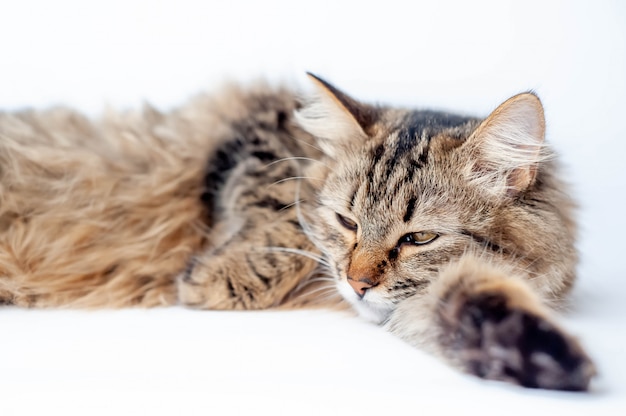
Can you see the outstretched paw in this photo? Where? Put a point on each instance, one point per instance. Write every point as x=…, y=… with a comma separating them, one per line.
x=497, y=341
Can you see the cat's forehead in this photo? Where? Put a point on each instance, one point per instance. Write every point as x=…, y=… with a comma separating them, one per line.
x=425, y=122
x=402, y=146
x=399, y=170
x=403, y=137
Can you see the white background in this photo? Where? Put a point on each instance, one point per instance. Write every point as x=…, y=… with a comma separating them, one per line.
x=458, y=55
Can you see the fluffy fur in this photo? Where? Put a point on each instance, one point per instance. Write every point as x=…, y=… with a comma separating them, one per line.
x=455, y=233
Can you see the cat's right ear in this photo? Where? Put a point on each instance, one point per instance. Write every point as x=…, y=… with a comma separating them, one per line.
x=333, y=117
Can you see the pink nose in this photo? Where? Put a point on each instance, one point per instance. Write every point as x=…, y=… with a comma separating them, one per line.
x=361, y=285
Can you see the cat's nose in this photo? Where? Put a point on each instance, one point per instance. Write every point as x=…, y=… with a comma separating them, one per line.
x=361, y=285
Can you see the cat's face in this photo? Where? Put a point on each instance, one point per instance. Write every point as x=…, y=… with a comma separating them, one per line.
x=388, y=219
x=404, y=193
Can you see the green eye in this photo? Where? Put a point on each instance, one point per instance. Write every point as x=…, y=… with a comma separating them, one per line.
x=347, y=222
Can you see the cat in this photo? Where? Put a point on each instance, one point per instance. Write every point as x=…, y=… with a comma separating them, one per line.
x=454, y=233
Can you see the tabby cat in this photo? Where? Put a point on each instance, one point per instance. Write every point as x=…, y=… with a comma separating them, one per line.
x=454, y=233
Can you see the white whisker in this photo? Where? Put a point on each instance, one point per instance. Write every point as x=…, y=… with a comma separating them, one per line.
x=322, y=290
x=314, y=256
x=278, y=182
x=305, y=226
x=306, y=143
x=296, y=158
x=291, y=205
x=323, y=279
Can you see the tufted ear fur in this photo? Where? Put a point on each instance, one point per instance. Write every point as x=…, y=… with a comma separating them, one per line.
x=333, y=117
x=507, y=147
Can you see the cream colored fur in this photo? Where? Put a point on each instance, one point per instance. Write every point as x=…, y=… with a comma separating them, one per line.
x=248, y=199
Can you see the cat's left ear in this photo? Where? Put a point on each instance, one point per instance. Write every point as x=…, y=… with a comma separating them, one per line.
x=335, y=118
x=508, y=146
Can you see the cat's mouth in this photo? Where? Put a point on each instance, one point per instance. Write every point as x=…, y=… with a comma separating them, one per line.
x=371, y=306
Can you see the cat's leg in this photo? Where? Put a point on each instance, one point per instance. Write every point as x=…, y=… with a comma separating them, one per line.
x=488, y=323
x=260, y=252
x=256, y=269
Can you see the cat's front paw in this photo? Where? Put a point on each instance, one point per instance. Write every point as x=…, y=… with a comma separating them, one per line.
x=239, y=279
x=206, y=284
x=497, y=341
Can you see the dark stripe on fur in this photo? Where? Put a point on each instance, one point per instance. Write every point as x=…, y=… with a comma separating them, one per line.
x=272, y=203
x=188, y=270
x=378, y=154
x=407, y=140
x=264, y=279
x=483, y=241
x=231, y=289
x=264, y=156
x=423, y=157
x=353, y=198
x=295, y=223
x=410, y=209
x=429, y=121
x=220, y=164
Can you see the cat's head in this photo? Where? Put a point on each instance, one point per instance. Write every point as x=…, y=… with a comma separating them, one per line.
x=402, y=193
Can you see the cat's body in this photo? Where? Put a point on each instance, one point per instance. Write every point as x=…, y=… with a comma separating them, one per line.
x=454, y=233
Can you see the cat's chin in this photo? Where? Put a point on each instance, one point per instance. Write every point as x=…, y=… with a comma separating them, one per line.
x=373, y=312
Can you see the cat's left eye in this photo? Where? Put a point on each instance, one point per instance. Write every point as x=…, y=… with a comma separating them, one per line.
x=423, y=237
x=347, y=222
x=418, y=238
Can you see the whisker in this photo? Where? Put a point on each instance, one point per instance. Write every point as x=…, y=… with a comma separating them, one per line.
x=306, y=227
x=314, y=277
x=296, y=158
x=306, y=143
x=201, y=260
x=334, y=295
x=309, y=254
x=278, y=182
x=322, y=279
x=297, y=202
x=321, y=291
x=292, y=204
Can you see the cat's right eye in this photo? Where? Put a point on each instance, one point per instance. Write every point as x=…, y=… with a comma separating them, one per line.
x=347, y=222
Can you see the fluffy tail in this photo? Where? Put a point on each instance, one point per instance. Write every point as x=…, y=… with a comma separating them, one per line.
x=96, y=215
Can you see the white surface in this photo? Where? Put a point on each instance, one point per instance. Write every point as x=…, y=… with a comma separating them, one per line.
x=466, y=56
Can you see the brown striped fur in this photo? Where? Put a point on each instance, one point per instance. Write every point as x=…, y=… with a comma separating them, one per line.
x=445, y=229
